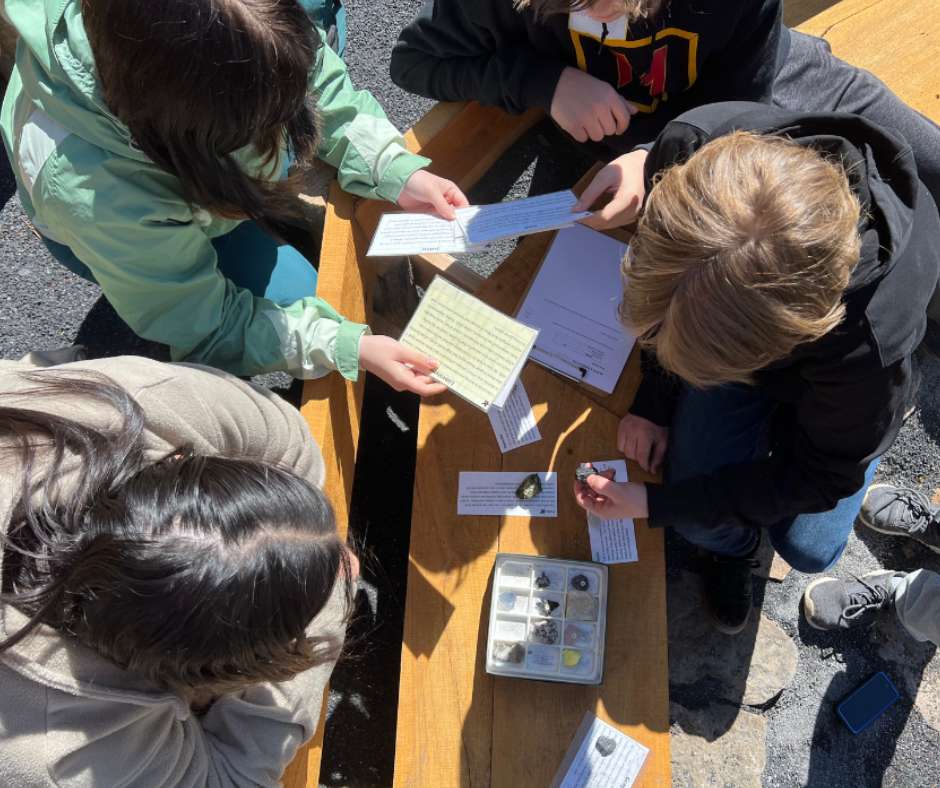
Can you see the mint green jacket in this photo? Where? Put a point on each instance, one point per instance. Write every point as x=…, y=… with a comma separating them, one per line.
x=84, y=184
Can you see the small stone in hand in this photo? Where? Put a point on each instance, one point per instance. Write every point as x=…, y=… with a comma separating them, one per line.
x=584, y=470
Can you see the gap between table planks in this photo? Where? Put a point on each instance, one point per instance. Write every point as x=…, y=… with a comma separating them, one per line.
x=332, y=407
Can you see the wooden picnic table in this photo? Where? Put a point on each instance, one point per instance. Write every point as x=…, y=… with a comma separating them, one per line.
x=457, y=725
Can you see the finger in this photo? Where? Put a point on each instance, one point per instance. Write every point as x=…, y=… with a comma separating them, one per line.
x=601, y=485
x=580, y=134
x=594, y=130
x=630, y=453
x=424, y=388
x=618, y=212
x=659, y=454
x=620, y=109
x=419, y=362
x=406, y=380
x=607, y=121
x=440, y=204
x=456, y=197
x=644, y=450
x=602, y=183
x=631, y=108
x=623, y=432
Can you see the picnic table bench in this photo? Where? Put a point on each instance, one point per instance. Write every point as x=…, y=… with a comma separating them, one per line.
x=456, y=724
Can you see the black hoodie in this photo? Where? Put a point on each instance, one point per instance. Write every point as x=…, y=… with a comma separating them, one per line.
x=692, y=52
x=840, y=400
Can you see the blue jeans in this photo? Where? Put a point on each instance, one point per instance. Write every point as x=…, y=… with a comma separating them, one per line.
x=728, y=425
x=248, y=256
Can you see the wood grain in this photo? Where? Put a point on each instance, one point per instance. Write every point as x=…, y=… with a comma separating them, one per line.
x=332, y=406
x=458, y=726
x=899, y=42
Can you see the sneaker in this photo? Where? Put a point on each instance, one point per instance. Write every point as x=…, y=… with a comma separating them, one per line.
x=900, y=511
x=829, y=603
x=729, y=589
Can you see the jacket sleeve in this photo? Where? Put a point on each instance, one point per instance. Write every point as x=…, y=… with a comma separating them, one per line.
x=822, y=447
x=745, y=69
x=368, y=152
x=474, y=51
x=658, y=393
x=159, y=271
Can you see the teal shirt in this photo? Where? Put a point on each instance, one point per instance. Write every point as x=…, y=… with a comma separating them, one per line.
x=84, y=185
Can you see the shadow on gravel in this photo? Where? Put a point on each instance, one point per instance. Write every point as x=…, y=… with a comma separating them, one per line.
x=838, y=756
x=7, y=181
x=359, y=749
x=104, y=333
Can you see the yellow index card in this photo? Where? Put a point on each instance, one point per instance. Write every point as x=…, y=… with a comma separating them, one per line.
x=481, y=351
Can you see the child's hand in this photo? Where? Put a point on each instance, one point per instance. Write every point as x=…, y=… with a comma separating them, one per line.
x=611, y=500
x=588, y=108
x=643, y=441
x=401, y=367
x=623, y=178
x=427, y=193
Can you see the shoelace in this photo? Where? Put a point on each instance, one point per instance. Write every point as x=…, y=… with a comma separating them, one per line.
x=921, y=513
x=862, y=601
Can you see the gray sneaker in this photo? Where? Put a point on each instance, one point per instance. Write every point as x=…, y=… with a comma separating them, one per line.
x=830, y=603
x=899, y=511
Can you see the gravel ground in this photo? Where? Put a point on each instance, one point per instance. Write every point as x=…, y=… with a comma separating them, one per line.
x=45, y=307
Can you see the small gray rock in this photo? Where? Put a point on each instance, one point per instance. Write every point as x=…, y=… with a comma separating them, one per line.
x=605, y=745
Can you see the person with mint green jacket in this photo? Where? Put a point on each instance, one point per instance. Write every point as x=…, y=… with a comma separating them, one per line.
x=151, y=142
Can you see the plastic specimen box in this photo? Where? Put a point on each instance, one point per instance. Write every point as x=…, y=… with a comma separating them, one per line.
x=547, y=619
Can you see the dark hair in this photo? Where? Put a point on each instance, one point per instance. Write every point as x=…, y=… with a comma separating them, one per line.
x=195, y=81
x=197, y=573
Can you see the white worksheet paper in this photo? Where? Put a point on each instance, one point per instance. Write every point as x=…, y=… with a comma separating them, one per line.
x=612, y=541
x=574, y=302
x=585, y=766
x=514, y=424
x=417, y=233
x=485, y=493
x=483, y=224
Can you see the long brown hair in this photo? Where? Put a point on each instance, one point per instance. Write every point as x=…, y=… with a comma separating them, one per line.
x=195, y=81
x=198, y=573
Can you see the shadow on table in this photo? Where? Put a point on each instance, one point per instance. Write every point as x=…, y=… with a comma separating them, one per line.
x=796, y=12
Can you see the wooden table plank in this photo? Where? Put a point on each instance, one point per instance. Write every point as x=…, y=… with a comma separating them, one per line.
x=456, y=723
x=634, y=695
x=445, y=697
x=897, y=41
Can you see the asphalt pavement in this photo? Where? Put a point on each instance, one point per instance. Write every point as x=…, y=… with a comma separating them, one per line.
x=45, y=306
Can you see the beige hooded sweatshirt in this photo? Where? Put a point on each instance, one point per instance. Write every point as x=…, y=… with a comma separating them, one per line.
x=71, y=718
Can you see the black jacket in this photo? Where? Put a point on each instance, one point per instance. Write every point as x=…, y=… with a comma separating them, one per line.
x=840, y=400
x=693, y=52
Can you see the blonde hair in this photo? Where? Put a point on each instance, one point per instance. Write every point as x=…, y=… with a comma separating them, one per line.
x=742, y=253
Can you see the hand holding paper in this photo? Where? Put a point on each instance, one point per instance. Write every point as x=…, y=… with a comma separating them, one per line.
x=472, y=227
x=480, y=350
x=403, y=368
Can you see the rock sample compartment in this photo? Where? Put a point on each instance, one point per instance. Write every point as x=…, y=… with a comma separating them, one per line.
x=547, y=619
